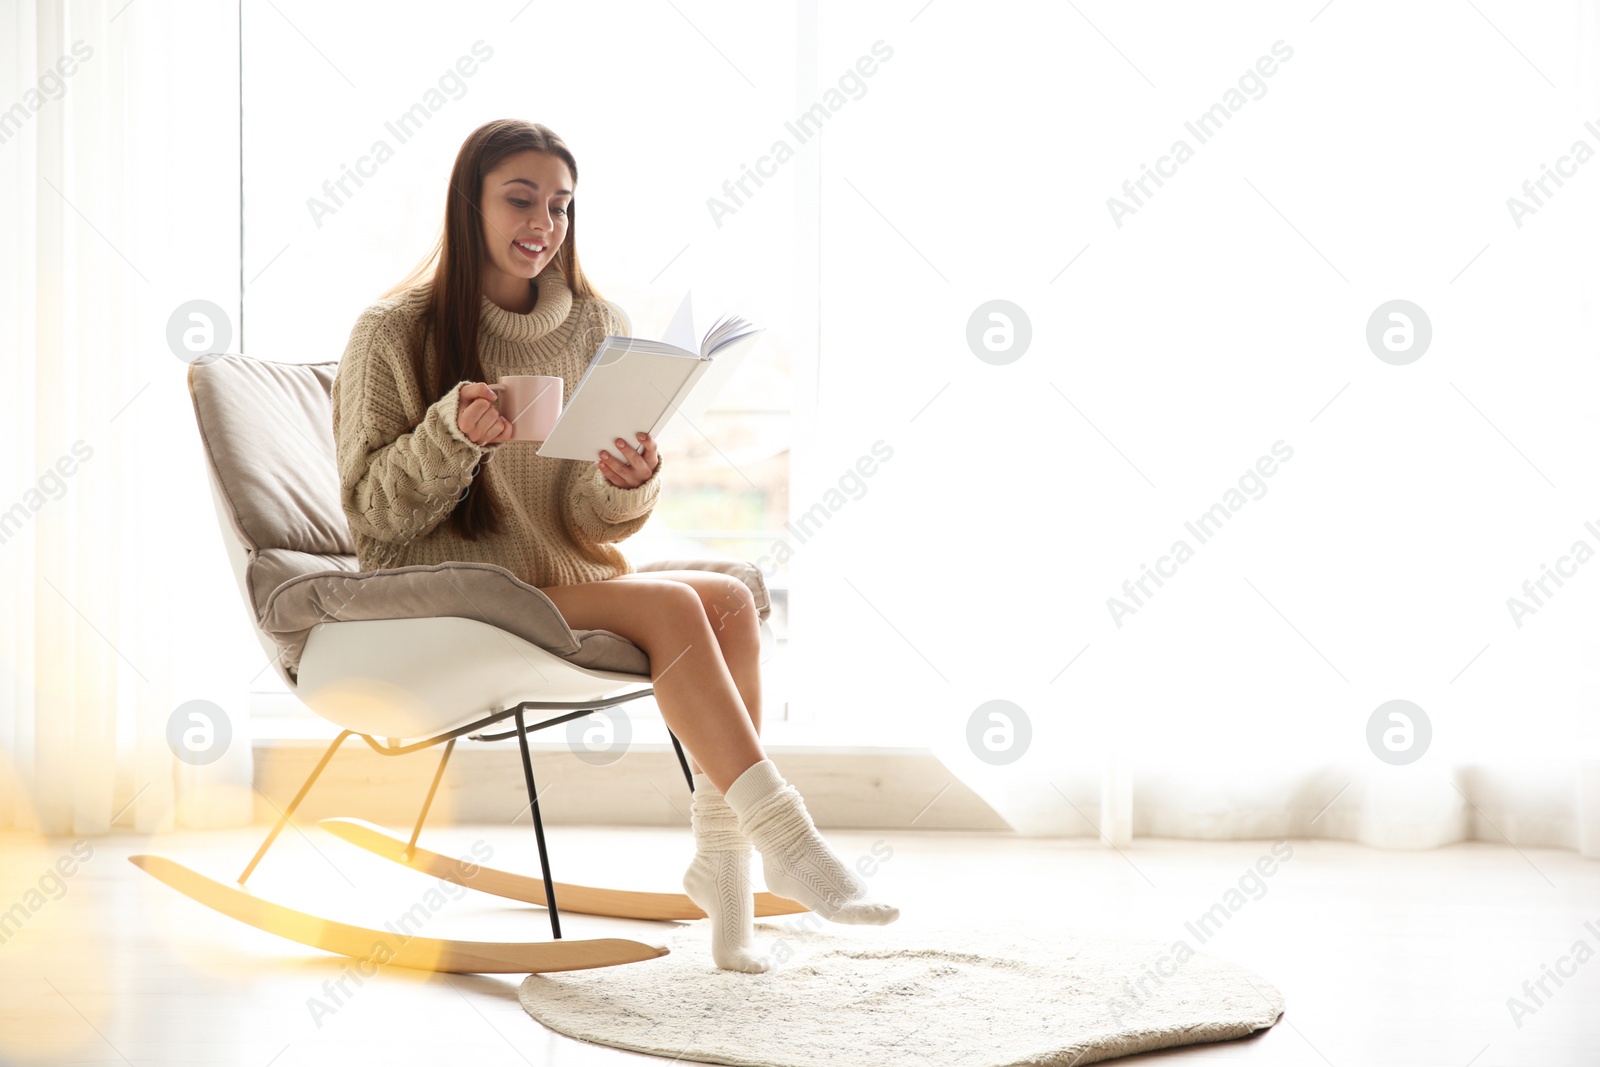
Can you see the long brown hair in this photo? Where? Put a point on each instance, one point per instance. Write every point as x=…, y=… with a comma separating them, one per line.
x=453, y=271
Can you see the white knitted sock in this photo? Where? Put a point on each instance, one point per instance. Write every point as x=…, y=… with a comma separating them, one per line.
x=718, y=880
x=796, y=861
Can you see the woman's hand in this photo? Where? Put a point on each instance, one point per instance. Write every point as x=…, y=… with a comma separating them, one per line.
x=635, y=466
x=480, y=420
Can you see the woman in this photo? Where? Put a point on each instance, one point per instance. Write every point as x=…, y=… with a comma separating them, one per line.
x=425, y=477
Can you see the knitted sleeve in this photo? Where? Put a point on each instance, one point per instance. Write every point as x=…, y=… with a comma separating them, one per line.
x=601, y=511
x=604, y=512
x=397, y=481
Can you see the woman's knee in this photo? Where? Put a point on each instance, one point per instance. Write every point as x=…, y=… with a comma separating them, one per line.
x=666, y=603
x=733, y=607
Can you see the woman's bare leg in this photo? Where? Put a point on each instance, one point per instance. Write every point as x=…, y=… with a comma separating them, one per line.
x=735, y=620
x=694, y=687
x=700, y=702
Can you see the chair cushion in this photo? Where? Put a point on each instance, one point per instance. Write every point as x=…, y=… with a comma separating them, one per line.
x=480, y=591
x=268, y=430
x=272, y=567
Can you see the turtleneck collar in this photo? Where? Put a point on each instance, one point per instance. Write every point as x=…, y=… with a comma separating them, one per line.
x=554, y=304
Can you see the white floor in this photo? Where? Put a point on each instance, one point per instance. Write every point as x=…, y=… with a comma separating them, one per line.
x=1383, y=958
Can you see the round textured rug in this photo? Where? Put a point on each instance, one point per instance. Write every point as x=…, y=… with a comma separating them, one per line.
x=908, y=995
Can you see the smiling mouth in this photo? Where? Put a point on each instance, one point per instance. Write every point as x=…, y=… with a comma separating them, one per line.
x=531, y=251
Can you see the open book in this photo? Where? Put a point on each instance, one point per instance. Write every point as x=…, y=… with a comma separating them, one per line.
x=635, y=384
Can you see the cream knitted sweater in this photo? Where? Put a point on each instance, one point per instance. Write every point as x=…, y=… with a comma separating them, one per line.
x=403, y=464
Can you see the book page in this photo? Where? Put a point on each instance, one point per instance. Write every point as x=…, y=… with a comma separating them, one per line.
x=625, y=390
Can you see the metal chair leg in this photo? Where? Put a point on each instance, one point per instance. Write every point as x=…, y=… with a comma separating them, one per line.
x=411, y=846
x=295, y=803
x=538, y=826
x=682, y=762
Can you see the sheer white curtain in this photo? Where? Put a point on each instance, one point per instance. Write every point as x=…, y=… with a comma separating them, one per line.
x=119, y=196
x=1176, y=351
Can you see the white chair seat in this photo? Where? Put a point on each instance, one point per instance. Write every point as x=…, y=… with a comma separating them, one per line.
x=413, y=678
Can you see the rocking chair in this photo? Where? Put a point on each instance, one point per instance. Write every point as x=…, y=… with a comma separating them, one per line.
x=405, y=659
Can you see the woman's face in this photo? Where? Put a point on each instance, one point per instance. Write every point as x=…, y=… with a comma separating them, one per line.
x=525, y=201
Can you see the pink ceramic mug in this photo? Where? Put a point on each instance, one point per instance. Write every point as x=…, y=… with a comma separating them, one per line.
x=531, y=402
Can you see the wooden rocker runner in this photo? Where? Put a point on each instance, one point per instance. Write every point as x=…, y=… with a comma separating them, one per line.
x=394, y=654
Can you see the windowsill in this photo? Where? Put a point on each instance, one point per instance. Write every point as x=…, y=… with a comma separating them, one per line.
x=650, y=734
x=852, y=773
